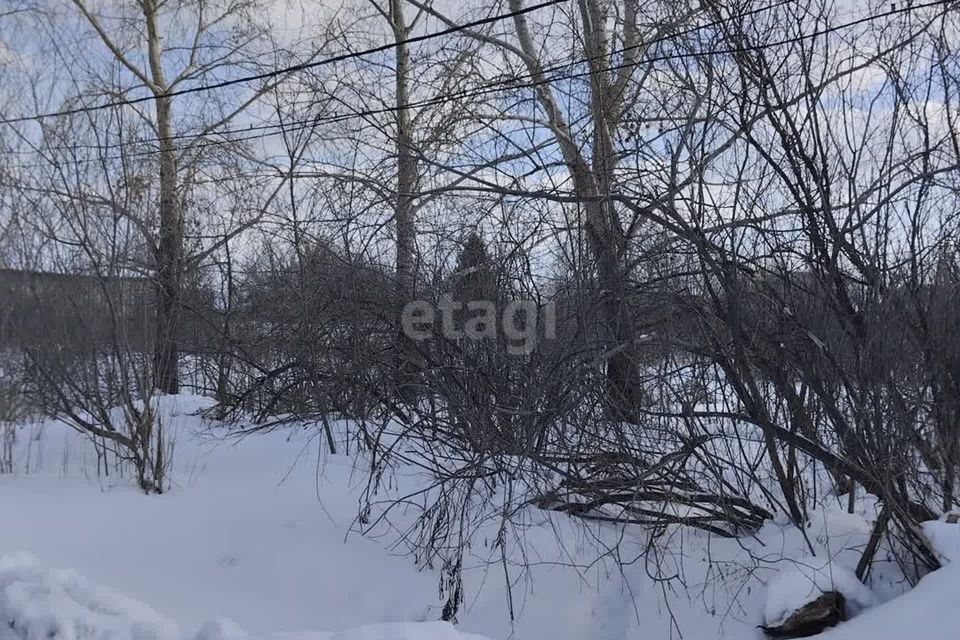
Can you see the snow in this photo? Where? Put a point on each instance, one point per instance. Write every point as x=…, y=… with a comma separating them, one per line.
x=235, y=530
x=806, y=581
x=256, y=541
x=945, y=538
x=389, y=631
x=38, y=604
x=927, y=612
x=220, y=629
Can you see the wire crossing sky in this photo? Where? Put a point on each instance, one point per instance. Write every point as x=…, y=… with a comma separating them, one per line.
x=286, y=70
x=504, y=84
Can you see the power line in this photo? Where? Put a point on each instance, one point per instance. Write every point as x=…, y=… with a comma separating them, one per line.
x=470, y=93
x=286, y=70
x=269, y=130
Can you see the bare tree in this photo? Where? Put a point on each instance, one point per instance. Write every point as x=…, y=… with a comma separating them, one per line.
x=145, y=48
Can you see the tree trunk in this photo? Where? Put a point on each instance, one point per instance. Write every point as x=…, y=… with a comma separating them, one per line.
x=592, y=182
x=169, y=262
x=406, y=158
x=404, y=210
x=169, y=265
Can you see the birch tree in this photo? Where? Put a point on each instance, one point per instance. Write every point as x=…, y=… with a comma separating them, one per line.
x=165, y=46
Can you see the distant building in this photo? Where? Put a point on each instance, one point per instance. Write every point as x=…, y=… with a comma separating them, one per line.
x=56, y=311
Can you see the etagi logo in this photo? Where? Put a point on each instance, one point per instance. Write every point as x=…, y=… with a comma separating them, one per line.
x=521, y=322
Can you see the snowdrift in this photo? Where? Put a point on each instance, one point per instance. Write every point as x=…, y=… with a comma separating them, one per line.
x=926, y=612
x=42, y=604
x=805, y=581
x=39, y=604
x=259, y=531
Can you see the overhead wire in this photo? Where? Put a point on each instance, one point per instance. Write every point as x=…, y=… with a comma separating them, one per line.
x=503, y=84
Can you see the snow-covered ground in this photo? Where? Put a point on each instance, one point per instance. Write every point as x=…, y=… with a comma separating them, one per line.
x=255, y=540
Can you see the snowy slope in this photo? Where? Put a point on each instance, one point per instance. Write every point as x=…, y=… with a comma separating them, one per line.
x=40, y=604
x=238, y=538
x=927, y=612
x=259, y=532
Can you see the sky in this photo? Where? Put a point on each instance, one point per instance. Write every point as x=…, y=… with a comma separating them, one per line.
x=54, y=60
